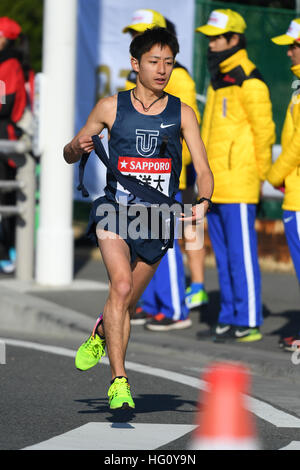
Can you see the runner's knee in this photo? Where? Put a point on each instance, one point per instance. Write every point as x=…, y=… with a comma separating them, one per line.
x=121, y=290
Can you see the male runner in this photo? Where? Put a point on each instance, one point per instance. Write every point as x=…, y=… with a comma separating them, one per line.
x=138, y=122
x=166, y=301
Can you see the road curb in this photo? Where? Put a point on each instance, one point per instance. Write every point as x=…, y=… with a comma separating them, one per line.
x=24, y=313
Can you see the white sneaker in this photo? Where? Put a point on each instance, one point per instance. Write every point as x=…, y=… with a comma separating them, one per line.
x=7, y=266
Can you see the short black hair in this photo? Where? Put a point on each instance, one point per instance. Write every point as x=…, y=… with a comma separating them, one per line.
x=142, y=43
x=242, y=38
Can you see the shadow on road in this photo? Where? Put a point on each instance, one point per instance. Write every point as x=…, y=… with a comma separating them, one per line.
x=145, y=403
x=292, y=325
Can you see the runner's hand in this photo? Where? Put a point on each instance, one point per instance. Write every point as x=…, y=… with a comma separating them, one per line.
x=83, y=144
x=198, y=214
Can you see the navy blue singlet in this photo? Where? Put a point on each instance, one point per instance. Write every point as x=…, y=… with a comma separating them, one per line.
x=135, y=148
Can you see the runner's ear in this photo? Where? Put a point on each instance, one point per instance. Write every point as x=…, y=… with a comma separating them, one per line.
x=135, y=64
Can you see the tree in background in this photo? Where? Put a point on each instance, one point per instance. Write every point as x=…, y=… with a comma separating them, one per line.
x=29, y=14
x=288, y=4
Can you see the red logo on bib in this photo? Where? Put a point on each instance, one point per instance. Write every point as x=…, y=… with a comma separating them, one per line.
x=144, y=165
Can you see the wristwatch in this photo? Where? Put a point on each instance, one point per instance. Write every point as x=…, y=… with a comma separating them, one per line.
x=202, y=199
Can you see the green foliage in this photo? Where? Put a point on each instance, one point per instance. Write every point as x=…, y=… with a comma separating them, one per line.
x=290, y=4
x=263, y=23
x=29, y=14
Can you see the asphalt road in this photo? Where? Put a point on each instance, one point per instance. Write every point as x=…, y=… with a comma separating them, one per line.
x=46, y=403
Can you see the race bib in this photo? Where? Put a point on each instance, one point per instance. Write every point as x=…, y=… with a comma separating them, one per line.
x=156, y=172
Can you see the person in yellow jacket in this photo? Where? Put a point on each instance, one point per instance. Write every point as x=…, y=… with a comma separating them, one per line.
x=238, y=132
x=285, y=172
x=172, y=305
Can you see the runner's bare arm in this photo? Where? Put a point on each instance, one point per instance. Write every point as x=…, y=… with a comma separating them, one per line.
x=191, y=133
x=102, y=116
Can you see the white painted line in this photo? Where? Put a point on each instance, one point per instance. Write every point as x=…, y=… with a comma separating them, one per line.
x=261, y=409
x=40, y=347
x=276, y=417
x=2, y=352
x=115, y=436
x=294, y=445
x=167, y=374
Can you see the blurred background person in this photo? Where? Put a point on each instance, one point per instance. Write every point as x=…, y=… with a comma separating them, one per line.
x=14, y=101
x=238, y=132
x=166, y=302
x=285, y=172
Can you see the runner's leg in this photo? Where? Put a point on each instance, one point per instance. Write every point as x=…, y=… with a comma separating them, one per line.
x=126, y=286
x=116, y=323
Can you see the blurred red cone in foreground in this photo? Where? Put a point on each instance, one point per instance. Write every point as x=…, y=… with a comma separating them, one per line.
x=224, y=422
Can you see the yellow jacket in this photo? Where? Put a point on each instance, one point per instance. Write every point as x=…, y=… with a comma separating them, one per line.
x=238, y=130
x=183, y=86
x=286, y=169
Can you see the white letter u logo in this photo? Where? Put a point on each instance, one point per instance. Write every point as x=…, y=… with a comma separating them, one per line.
x=146, y=142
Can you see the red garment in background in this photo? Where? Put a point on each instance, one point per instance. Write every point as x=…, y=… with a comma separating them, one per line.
x=13, y=102
x=30, y=89
x=12, y=106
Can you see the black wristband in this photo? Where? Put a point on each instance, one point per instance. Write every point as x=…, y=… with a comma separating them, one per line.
x=202, y=199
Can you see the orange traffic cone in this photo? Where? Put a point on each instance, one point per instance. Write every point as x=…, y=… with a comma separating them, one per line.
x=224, y=422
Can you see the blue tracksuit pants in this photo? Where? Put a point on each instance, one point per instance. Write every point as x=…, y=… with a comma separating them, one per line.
x=234, y=241
x=291, y=220
x=166, y=291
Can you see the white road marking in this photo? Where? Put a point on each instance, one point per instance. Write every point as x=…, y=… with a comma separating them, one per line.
x=293, y=445
x=278, y=418
x=2, y=353
x=115, y=436
x=261, y=409
x=167, y=374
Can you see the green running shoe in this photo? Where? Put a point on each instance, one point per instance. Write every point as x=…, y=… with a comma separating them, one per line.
x=119, y=394
x=195, y=299
x=90, y=352
x=247, y=335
